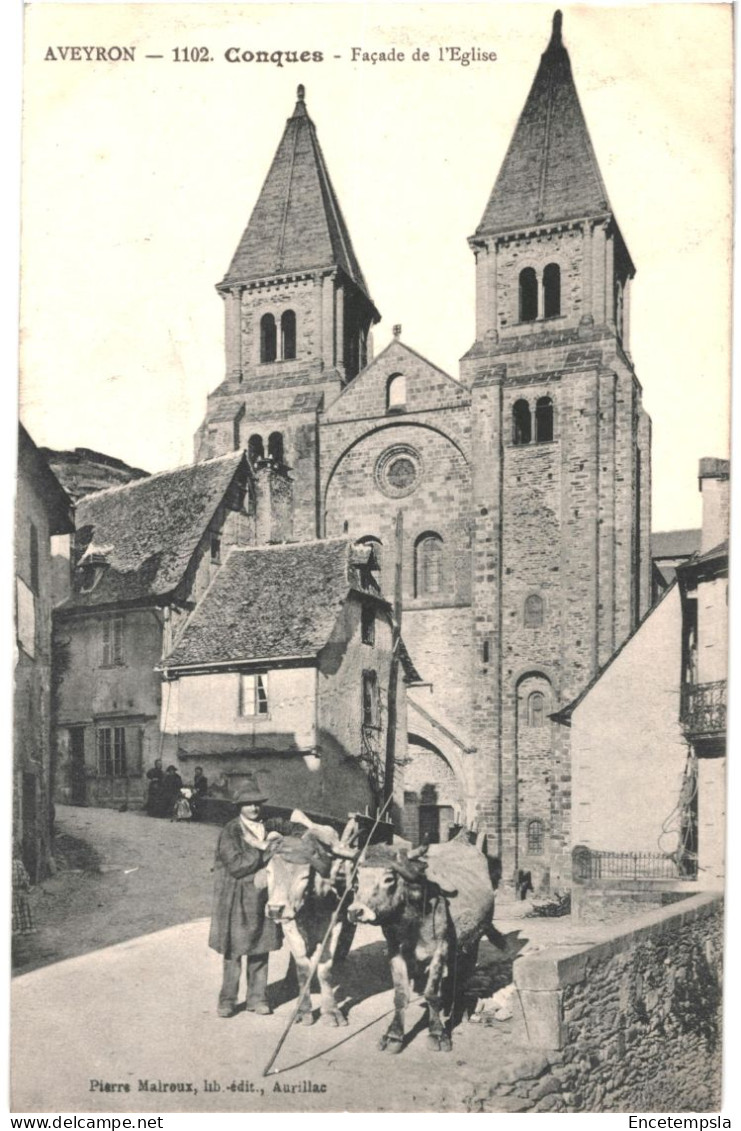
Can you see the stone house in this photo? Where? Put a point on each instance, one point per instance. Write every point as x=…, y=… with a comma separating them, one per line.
x=647, y=735
x=703, y=584
x=522, y=488
x=280, y=679
x=43, y=510
x=144, y=554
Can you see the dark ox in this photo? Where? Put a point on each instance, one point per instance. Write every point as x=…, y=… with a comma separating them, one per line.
x=305, y=887
x=433, y=913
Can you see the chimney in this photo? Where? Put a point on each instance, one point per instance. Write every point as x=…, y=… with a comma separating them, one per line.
x=714, y=476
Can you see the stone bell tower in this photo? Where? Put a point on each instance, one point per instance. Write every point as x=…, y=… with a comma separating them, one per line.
x=562, y=464
x=297, y=318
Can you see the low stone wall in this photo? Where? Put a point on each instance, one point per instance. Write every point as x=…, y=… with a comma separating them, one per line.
x=607, y=901
x=628, y=1022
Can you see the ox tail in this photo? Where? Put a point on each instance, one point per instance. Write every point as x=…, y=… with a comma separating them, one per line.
x=495, y=937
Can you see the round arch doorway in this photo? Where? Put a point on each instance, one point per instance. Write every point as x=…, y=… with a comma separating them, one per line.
x=433, y=797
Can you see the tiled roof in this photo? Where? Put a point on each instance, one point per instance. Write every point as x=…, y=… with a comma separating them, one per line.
x=269, y=603
x=32, y=463
x=550, y=171
x=297, y=223
x=675, y=543
x=146, y=532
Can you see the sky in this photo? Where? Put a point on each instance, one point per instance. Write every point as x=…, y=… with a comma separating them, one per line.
x=139, y=178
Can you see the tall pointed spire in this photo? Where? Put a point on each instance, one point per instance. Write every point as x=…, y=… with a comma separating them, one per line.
x=297, y=223
x=550, y=171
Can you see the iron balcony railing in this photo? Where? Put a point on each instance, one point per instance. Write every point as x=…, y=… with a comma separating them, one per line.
x=703, y=708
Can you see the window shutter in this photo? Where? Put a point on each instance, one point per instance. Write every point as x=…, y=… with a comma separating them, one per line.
x=106, y=643
x=134, y=745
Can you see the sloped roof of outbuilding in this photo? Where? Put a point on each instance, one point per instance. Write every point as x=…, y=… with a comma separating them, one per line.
x=269, y=603
x=275, y=603
x=144, y=534
x=675, y=543
x=33, y=463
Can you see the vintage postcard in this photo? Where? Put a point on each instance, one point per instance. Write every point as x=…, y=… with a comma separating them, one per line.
x=371, y=582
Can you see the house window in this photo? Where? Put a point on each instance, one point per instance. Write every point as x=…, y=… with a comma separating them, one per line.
x=275, y=447
x=533, y=611
x=368, y=624
x=535, y=837
x=288, y=335
x=396, y=392
x=253, y=695
x=521, y=424
x=536, y=709
x=543, y=420
x=33, y=554
x=268, y=338
x=370, y=699
x=428, y=565
x=528, y=294
x=255, y=448
x=552, y=291
x=112, y=752
x=215, y=549
x=113, y=650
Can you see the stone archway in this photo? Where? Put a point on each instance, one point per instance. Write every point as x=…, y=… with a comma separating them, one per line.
x=433, y=795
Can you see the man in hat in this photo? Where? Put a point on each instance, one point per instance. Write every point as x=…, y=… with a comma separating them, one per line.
x=238, y=923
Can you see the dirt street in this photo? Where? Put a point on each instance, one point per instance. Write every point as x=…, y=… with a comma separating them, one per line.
x=128, y=1022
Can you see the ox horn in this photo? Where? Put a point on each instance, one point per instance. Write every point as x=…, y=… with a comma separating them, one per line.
x=415, y=853
x=325, y=834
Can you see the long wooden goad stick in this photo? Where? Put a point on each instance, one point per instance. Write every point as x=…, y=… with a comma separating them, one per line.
x=320, y=949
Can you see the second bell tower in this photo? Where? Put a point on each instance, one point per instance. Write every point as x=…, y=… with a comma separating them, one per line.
x=562, y=463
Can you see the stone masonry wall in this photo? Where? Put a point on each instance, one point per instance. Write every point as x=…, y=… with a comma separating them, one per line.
x=630, y=1022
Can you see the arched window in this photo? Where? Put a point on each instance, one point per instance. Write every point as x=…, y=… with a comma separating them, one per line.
x=255, y=449
x=428, y=571
x=551, y=291
x=533, y=611
x=396, y=392
x=528, y=295
x=288, y=335
x=268, y=338
x=275, y=447
x=521, y=424
x=535, y=837
x=543, y=420
x=536, y=709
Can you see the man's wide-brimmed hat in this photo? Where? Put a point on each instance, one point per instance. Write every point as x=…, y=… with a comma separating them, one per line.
x=250, y=796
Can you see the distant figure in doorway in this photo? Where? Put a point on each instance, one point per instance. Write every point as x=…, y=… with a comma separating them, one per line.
x=200, y=793
x=524, y=883
x=239, y=927
x=155, y=777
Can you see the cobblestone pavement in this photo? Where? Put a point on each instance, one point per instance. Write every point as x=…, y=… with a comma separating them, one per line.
x=136, y=1006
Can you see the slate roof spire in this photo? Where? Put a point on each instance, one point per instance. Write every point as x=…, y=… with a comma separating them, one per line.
x=550, y=171
x=297, y=223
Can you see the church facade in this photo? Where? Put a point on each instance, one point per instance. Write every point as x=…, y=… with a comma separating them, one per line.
x=510, y=506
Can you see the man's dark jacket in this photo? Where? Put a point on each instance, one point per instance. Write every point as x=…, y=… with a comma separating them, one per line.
x=238, y=923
